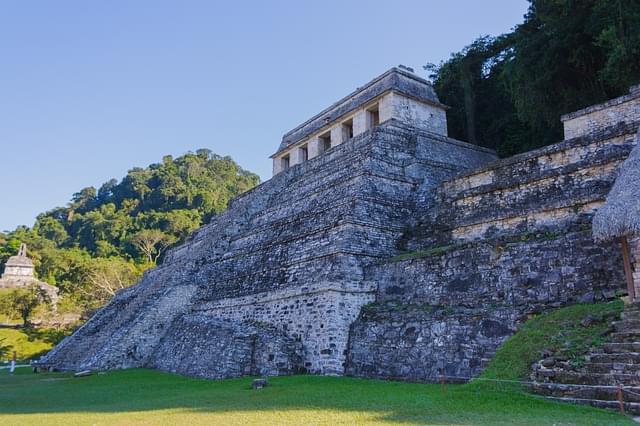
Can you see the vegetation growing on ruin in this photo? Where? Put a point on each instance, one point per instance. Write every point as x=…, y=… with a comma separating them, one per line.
x=134, y=395
x=433, y=251
x=566, y=332
x=508, y=92
x=500, y=245
x=141, y=396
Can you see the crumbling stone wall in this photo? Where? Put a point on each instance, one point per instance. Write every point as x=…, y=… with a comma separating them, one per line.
x=499, y=244
x=307, y=263
x=319, y=315
x=291, y=253
x=198, y=345
x=597, y=117
x=420, y=343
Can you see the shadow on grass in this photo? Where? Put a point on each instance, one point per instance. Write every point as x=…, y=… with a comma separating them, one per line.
x=47, y=337
x=300, y=398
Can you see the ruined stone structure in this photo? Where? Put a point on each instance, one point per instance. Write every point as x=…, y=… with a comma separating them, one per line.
x=395, y=95
x=598, y=117
x=19, y=273
x=380, y=248
x=607, y=374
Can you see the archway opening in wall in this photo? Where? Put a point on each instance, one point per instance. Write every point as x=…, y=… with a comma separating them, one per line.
x=285, y=162
x=304, y=153
x=325, y=142
x=373, y=116
x=347, y=130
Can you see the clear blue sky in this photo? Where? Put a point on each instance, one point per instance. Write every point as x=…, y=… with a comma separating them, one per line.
x=89, y=89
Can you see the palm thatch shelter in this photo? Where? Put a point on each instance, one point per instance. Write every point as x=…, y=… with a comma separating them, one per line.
x=619, y=218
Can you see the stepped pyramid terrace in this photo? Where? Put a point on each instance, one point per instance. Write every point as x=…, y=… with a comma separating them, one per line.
x=380, y=247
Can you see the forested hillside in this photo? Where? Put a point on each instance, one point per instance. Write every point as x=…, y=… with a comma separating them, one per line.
x=104, y=239
x=508, y=92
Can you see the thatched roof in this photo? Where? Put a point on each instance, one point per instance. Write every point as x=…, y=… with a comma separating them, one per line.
x=620, y=216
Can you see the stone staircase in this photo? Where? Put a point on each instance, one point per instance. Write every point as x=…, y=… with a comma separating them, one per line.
x=609, y=374
x=486, y=359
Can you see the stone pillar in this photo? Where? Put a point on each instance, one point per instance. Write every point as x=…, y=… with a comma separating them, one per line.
x=336, y=136
x=634, y=248
x=277, y=165
x=315, y=147
x=386, y=107
x=296, y=156
x=359, y=122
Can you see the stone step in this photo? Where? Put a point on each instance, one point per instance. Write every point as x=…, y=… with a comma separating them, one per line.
x=630, y=314
x=621, y=347
x=630, y=325
x=631, y=307
x=604, y=393
x=625, y=337
x=584, y=378
x=629, y=407
x=610, y=368
x=484, y=362
x=620, y=357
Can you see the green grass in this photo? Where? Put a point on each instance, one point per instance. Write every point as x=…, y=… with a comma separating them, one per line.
x=27, y=344
x=151, y=397
x=559, y=331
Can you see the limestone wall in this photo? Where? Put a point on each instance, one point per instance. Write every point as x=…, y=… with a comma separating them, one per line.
x=498, y=244
x=319, y=315
x=18, y=271
x=290, y=253
x=413, y=112
x=545, y=187
x=198, y=345
x=597, y=117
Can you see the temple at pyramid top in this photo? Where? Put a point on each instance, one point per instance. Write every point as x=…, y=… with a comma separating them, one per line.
x=397, y=94
x=19, y=265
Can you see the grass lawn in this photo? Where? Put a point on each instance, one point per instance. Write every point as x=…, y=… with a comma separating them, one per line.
x=151, y=397
x=27, y=345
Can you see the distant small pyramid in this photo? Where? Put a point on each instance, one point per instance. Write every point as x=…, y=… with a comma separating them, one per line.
x=19, y=265
x=19, y=272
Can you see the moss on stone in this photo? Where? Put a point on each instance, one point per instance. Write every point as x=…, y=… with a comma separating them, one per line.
x=434, y=251
x=559, y=331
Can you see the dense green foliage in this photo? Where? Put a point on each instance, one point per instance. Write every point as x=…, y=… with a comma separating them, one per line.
x=29, y=343
x=5, y=348
x=172, y=198
x=143, y=397
x=508, y=92
x=23, y=302
x=104, y=239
